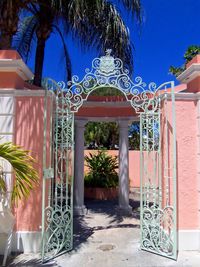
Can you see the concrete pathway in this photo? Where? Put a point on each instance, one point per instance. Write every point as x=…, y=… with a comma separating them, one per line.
x=106, y=238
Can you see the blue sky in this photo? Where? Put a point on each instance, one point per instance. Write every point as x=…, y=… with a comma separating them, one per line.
x=169, y=27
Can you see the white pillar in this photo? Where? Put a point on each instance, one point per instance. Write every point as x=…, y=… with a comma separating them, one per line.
x=124, y=167
x=79, y=208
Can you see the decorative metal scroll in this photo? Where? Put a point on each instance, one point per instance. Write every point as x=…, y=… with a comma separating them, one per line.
x=108, y=71
x=58, y=192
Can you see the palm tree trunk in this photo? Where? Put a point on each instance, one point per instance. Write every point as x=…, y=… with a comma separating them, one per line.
x=39, y=61
x=5, y=41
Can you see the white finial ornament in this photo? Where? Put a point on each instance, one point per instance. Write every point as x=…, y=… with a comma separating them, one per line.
x=108, y=52
x=107, y=64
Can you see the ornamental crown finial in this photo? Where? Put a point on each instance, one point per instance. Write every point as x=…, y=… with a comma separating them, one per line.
x=108, y=52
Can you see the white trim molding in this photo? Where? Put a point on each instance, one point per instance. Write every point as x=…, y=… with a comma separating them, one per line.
x=189, y=74
x=23, y=241
x=18, y=66
x=21, y=92
x=189, y=240
x=186, y=96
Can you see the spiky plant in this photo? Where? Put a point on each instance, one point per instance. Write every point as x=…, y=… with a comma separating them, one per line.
x=26, y=176
x=102, y=170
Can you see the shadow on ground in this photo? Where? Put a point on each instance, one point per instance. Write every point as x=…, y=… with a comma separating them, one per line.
x=31, y=261
x=82, y=231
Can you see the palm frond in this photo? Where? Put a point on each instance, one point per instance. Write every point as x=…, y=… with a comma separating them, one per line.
x=26, y=176
x=25, y=36
x=2, y=184
x=134, y=6
x=101, y=26
x=115, y=34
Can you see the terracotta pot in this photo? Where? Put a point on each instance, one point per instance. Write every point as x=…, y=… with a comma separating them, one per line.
x=101, y=193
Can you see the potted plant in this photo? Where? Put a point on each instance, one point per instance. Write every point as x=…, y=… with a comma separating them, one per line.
x=101, y=182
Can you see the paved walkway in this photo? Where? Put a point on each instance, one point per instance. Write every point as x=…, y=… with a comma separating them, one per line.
x=105, y=238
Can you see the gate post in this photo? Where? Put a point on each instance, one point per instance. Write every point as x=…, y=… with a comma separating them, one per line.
x=79, y=208
x=124, y=167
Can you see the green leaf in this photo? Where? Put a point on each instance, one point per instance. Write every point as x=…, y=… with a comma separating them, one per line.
x=102, y=170
x=26, y=177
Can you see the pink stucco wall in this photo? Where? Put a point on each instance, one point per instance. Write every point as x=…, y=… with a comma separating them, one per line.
x=29, y=133
x=186, y=125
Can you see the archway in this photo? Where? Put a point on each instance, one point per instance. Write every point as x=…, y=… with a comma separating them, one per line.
x=103, y=109
x=155, y=106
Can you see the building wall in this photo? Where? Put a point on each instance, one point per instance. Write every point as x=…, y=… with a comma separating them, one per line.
x=29, y=133
x=186, y=121
x=21, y=121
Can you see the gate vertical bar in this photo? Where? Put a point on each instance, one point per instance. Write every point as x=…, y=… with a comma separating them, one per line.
x=141, y=177
x=44, y=167
x=72, y=180
x=174, y=170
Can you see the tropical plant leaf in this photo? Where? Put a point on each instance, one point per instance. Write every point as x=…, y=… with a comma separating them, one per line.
x=2, y=184
x=134, y=6
x=98, y=24
x=191, y=52
x=26, y=176
x=92, y=23
x=24, y=37
x=102, y=170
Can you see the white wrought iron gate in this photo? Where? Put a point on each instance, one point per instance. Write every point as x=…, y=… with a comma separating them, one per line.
x=156, y=108
x=57, y=214
x=158, y=176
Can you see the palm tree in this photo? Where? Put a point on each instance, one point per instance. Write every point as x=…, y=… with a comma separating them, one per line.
x=94, y=23
x=9, y=18
x=100, y=134
x=25, y=175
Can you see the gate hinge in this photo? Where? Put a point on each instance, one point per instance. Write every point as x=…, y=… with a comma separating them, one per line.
x=48, y=173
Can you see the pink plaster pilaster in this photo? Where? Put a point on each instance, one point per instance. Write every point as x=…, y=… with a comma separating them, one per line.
x=29, y=133
x=187, y=165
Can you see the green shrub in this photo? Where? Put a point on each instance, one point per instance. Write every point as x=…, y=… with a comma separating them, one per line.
x=102, y=170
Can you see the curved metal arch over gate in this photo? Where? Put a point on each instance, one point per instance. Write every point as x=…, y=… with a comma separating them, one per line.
x=156, y=108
